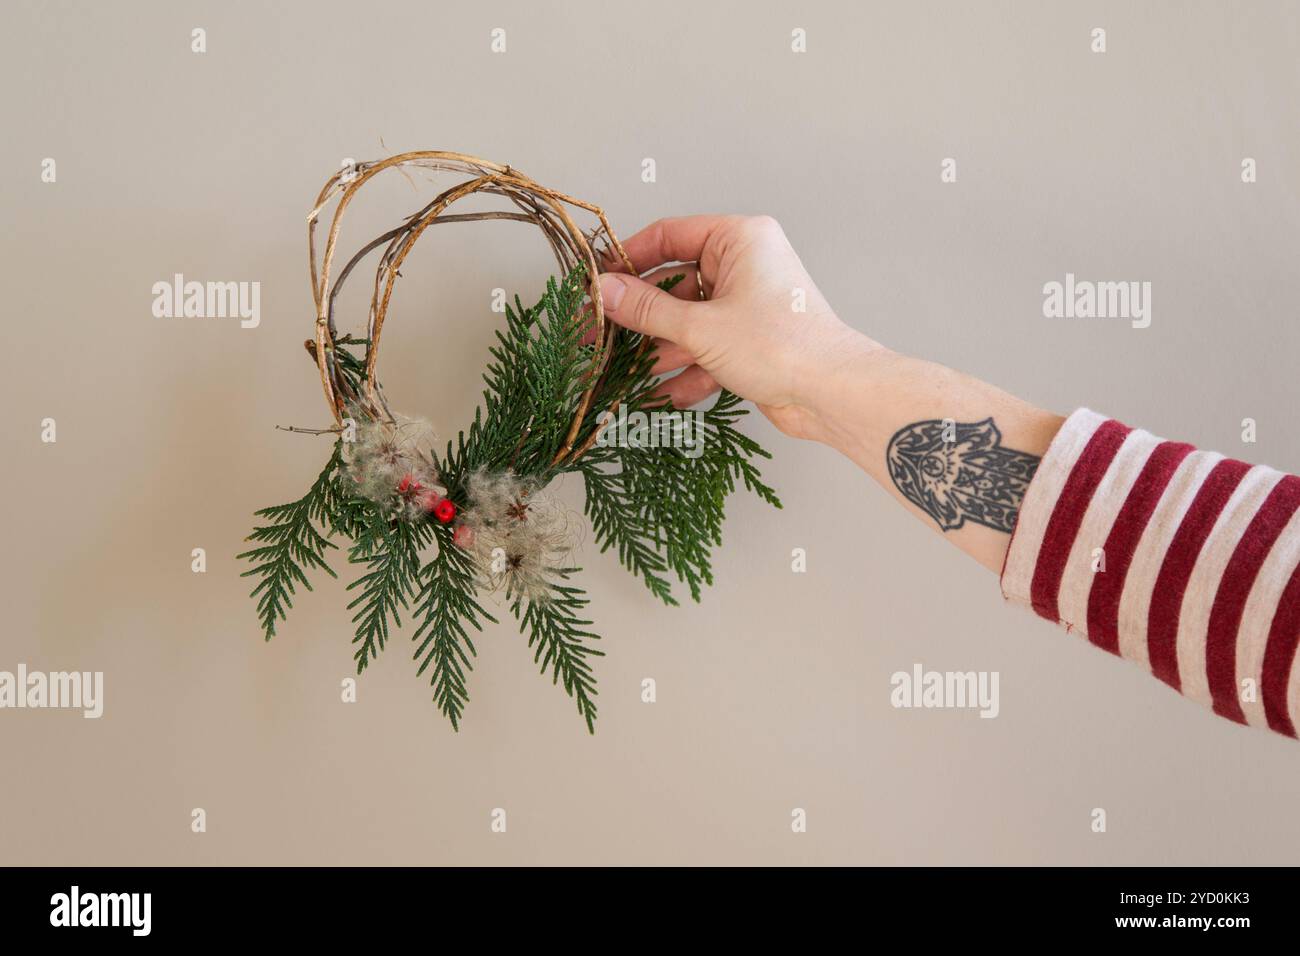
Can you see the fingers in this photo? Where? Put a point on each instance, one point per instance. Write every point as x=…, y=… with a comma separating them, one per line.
x=688, y=287
x=692, y=386
x=671, y=240
x=669, y=356
x=637, y=305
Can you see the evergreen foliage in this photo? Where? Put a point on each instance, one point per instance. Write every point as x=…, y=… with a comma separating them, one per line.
x=660, y=509
x=447, y=604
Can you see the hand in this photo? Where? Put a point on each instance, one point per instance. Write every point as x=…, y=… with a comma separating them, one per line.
x=746, y=336
x=808, y=372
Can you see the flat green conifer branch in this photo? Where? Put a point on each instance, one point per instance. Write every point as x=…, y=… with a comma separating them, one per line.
x=293, y=546
x=390, y=552
x=443, y=646
x=658, y=508
x=559, y=639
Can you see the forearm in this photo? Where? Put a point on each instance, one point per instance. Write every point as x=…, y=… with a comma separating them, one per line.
x=1183, y=561
x=963, y=450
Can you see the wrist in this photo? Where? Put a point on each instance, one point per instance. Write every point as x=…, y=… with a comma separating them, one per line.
x=841, y=394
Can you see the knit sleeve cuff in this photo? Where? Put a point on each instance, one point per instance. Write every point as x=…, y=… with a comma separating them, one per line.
x=1040, y=501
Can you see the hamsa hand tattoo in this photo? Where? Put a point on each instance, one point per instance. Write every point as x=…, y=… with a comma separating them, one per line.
x=957, y=472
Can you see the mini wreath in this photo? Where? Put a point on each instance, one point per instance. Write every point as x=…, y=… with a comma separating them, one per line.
x=566, y=391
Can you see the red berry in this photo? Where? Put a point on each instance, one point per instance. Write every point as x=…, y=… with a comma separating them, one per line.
x=444, y=511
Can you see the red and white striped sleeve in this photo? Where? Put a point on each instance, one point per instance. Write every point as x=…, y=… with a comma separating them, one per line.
x=1197, y=561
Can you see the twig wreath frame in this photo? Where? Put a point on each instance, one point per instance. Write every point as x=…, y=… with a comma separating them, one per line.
x=544, y=208
x=431, y=532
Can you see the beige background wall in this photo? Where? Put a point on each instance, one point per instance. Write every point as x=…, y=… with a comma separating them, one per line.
x=774, y=693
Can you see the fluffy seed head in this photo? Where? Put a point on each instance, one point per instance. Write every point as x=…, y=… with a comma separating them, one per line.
x=391, y=463
x=517, y=534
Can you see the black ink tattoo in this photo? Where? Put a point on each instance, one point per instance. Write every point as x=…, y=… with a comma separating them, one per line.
x=957, y=472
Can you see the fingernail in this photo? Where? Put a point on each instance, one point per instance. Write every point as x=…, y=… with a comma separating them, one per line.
x=611, y=291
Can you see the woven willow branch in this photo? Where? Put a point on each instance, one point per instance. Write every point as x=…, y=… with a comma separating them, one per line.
x=532, y=202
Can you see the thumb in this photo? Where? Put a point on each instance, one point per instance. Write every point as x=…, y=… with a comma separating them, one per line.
x=637, y=305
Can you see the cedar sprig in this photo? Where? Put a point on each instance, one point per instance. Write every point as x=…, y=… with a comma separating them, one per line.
x=660, y=510
x=561, y=642
x=446, y=604
x=389, y=549
x=293, y=546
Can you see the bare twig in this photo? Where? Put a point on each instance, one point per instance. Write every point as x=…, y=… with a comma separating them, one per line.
x=310, y=431
x=545, y=208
